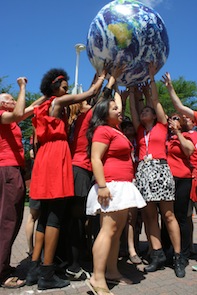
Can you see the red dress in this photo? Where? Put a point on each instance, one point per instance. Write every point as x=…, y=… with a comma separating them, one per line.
x=52, y=175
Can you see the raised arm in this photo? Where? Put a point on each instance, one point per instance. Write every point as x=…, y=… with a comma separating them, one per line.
x=161, y=116
x=30, y=109
x=18, y=111
x=139, y=99
x=68, y=99
x=124, y=94
x=117, y=71
x=166, y=79
x=186, y=145
x=133, y=110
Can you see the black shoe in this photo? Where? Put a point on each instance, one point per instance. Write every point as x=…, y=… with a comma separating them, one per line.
x=33, y=273
x=49, y=280
x=179, y=265
x=158, y=259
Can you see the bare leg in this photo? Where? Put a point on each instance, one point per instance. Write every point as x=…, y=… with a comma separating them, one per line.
x=109, y=227
x=171, y=224
x=112, y=269
x=152, y=224
x=29, y=228
x=131, y=231
x=39, y=243
x=50, y=244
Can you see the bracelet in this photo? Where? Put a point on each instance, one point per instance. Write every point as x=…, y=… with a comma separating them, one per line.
x=151, y=81
x=102, y=187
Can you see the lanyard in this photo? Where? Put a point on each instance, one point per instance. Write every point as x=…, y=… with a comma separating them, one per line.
x=147, y=138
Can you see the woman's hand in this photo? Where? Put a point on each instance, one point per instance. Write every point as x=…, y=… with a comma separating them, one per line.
x=152, y=70
x=104, y=196
x=174, y=126
x=166, y=79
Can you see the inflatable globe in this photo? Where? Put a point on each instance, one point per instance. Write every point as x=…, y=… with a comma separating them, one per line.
x=131, y=34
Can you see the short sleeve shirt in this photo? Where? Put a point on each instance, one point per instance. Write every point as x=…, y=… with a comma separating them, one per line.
x=153, y=142
x=79, y=143
x=117, y=161
x=179, y=163
x=11, y=147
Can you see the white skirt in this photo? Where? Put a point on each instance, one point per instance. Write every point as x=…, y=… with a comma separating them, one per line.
x=124, y=195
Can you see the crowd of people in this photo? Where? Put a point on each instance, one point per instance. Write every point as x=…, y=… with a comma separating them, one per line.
x=96, y=177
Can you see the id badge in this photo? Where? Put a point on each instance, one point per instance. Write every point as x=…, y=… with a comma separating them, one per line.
x=148, y=157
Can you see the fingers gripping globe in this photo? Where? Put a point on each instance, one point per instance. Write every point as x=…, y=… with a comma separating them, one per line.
x=131, y=34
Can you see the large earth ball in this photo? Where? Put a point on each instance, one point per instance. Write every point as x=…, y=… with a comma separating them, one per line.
x=128, y=33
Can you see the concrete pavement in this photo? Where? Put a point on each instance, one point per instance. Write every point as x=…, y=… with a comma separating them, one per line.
x=161, y=282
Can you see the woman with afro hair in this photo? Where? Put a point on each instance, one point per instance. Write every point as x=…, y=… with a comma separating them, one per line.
x=52, y=176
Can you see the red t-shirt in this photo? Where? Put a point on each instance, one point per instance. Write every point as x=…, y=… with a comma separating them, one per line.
x=117, y=161
x=79, y=142
x=195, y=117
x=193, y=157
x=11, y=147
x=177, y=160
x=152, y=142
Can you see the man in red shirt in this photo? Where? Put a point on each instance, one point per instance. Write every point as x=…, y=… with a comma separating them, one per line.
x=12, y=188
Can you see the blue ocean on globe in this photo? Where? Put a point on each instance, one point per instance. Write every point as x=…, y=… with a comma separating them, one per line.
x=131, y=34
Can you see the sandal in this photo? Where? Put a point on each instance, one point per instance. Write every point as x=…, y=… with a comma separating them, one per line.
x=135, y=259
x=81, y=275
x=97, y=290
x=119, y=281
x=13, y=283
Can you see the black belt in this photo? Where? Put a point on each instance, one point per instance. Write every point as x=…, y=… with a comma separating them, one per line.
x=160, y=161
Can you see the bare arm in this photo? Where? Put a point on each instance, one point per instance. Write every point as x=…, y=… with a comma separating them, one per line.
x=123, y=96
x=166, y=79
x=117, y=71
x=139, y=100
x=18, y=111
x=68, y=99
x=147, y=93
x=186, y=145
x=30, y=109
x=133, y=110
x=161, y=116
x=97, y=151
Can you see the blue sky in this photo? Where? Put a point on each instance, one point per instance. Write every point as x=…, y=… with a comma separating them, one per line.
x=37, y=35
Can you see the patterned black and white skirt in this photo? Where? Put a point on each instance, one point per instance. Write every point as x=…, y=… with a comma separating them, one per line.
x=154, y=180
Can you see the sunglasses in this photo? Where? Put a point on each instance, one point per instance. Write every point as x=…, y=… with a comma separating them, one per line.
x=175, y=118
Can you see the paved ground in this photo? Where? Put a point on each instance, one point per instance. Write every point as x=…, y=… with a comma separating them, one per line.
x=162, y=282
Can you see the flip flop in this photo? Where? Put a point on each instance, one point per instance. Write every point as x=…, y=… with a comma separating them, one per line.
x=13, y=283
x=97, y=290
x=119, y=281
x=81, y=275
